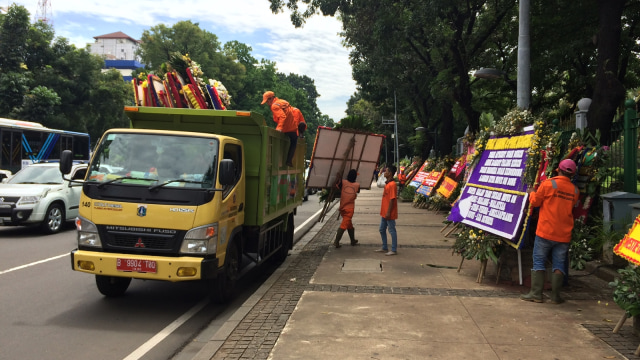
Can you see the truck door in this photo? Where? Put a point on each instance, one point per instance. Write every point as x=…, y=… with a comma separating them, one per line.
x=232, y=195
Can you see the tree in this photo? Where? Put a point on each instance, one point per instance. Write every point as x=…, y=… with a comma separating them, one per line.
x=428, y=48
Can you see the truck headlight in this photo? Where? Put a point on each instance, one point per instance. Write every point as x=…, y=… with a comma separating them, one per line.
x=28, y=200
x=87, y=233
x=201, y=240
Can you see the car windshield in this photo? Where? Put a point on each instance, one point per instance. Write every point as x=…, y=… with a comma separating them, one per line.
x=152, y=159
x=37, y=175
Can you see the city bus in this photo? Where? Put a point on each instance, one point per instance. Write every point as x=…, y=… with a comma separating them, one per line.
x=26, y=142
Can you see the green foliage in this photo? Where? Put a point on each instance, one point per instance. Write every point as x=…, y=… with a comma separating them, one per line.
x=580, y=248
x=407, y=193
x=354, y=122
x=626, y=292
x=472, y=243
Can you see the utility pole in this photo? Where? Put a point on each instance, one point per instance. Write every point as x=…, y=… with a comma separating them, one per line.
x=394, y=122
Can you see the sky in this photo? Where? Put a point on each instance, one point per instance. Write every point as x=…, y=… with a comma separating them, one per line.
x=315, y=50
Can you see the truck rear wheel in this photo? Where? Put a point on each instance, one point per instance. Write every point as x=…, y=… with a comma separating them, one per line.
x=112, y=286
x=287, y=242
x=224, y=285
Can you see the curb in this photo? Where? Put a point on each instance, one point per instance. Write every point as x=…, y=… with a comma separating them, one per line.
x=308, y=230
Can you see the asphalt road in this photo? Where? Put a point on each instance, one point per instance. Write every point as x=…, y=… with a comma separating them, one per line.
x=52, y=312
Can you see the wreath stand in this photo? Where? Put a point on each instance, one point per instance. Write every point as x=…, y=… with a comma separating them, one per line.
x=483, y=269
x=624, y=318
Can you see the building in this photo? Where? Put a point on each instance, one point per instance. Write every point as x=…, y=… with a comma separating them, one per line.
x=119, y=52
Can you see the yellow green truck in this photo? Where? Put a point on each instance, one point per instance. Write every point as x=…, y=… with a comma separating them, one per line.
x=186, y=195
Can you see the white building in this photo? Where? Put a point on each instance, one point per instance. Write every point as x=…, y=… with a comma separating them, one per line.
x=119, y=52
x=115, y=46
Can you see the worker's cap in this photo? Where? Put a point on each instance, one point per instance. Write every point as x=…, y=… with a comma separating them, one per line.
x=266, y=96
x=568, y=166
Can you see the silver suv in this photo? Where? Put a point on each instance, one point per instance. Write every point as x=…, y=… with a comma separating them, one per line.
x=38, y=194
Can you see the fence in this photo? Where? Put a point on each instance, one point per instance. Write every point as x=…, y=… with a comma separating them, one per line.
x=623, y=153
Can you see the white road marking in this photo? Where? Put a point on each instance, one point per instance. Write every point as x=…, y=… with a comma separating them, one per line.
x=311, y=218
x=164, y=333
x=33, y=263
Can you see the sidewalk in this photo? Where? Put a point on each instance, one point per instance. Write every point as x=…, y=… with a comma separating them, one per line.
x=354, y=303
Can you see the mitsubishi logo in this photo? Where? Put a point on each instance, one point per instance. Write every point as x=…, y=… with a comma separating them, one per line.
x=139, y=244
x=1, y=199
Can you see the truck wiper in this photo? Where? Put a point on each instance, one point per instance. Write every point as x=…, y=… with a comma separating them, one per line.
x=173, y=181
x=101, y=185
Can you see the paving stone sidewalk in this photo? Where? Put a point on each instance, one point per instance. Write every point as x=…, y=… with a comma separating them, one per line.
x=258, y=332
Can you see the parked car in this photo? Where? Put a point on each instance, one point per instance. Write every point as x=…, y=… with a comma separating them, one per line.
x=307, y=191
x=4, y=175
x=38, y=194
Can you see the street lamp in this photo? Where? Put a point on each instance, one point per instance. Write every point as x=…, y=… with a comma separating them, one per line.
x=435, y=136
x=523, y=85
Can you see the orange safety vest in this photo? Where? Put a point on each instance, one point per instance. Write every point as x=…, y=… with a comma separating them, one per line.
x=556, y=198
x=283, y=116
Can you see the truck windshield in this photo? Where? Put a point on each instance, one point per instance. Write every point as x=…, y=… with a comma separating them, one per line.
x=151, y=159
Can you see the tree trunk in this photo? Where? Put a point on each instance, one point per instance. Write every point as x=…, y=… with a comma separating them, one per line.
x=608, y=92
x=445, y=135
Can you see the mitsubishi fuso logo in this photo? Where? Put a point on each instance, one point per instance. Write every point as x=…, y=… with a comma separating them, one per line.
x=139, y=244
x=142, y=210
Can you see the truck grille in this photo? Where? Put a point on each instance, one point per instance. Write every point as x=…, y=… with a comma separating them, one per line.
x=140, y=240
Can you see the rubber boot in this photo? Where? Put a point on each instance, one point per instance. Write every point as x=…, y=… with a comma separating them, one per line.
x=336, y=242
x=556, y=286
x=352, y=236
x=537, y=283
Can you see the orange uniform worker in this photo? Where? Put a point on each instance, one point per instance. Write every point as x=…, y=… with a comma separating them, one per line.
x=389, y=212
x=302, y=125
x=556, y=198
x=349, y=190
x=285, y=120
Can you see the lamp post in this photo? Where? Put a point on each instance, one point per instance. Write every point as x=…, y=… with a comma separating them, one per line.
x=523, y=84
x=394, y=122
x=435, y=136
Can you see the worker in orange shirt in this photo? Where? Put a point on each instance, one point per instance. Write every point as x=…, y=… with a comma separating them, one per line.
x=283, y=117
x=302, y=125
x=349, y=190
x=556, y=198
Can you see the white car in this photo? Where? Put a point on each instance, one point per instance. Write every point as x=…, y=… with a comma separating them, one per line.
x=38, y=194
x=307, y=191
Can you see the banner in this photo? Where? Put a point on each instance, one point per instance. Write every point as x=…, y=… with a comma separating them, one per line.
x=495, y=197
x=629, y=246
x=447, y=187
x=430, y=183
x=458, y=168
x=420, y=175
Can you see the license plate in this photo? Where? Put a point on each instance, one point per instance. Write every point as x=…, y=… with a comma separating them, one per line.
x=136, y=265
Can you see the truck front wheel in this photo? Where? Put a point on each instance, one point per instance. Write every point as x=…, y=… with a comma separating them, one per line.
x=224, y=285
x=112, y=286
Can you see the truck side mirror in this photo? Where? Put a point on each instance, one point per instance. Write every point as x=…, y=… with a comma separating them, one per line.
x=227, y=172
x=66, y=161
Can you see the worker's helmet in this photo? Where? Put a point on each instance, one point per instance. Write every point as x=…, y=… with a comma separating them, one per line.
x=266, y=96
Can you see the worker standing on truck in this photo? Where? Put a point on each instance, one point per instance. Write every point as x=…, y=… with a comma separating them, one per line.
x=285, y=120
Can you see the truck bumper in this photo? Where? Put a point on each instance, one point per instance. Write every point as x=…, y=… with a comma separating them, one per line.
x=174, y=269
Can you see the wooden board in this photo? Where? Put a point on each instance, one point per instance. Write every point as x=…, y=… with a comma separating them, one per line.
x=330, y=152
